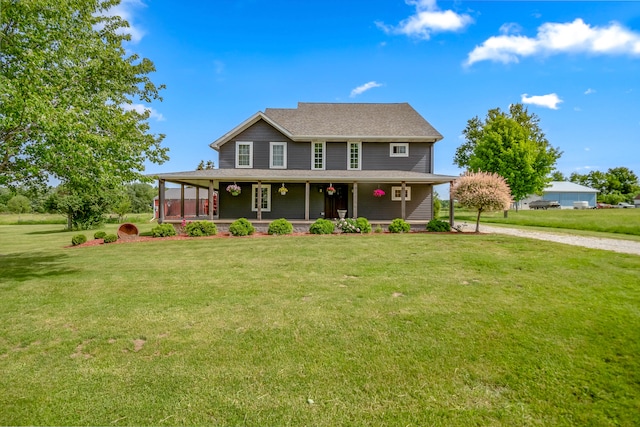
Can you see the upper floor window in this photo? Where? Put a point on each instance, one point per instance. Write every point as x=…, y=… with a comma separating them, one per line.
x=244, y=154
x=354, y=160
x=265, y=200
x=278, y=155
x=399, y=149
x=318, y=155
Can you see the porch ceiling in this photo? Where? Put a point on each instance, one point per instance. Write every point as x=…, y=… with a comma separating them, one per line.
x=201, y=178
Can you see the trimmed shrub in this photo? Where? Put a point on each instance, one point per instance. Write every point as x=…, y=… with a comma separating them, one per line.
x=241, y=227
x=200, y=228
x=99, y=234
x=399, y=225
x=378, y=229
x=110, y=238
x=78, y=239
x=163, y=230
x=437, y=225
x=348, y=225
x=363, y=224
x=280, y=226
x=322, y=226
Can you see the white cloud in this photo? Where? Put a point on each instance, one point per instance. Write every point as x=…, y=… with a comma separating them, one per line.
x=126, y=10
x=140, y=109
x=510, y=28
x=556, y=38
x=549, y=101
x=365, y=87
x=426, y=20
x=589, y=91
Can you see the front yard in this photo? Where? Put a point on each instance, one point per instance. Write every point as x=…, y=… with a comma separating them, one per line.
x=413, y=329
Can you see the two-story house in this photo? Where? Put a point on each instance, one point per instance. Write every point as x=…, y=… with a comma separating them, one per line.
x=321, y=160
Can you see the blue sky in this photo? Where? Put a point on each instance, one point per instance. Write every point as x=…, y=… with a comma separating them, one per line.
x=576, y=65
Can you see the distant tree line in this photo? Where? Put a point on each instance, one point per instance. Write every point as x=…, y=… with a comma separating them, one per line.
x=615, y=185
x=83, y=210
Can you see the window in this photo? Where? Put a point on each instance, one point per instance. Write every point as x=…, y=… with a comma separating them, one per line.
x=396, y=194
x=399, y=149
x=354, y=155
x=266, y=198
x=278, y=155
x=244, y=154
x=317, y=155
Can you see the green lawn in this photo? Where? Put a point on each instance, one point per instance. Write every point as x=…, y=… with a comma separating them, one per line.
x=619, y=221
x=386, y=329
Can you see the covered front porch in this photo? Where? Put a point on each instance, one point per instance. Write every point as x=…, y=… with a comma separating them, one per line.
x=304, y=196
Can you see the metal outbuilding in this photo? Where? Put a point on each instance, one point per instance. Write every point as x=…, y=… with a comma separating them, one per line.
x=568, y=194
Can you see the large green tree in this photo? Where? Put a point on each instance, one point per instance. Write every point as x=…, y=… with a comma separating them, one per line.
x=141, y=197
x=67, y=100
x=512, y=145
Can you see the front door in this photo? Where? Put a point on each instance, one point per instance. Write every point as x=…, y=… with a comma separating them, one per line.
x=338, y=201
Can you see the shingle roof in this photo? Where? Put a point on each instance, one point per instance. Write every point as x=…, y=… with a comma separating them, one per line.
x=353, y=120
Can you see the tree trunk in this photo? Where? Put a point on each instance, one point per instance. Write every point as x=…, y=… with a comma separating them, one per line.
x=478, y=221
x=69, y=221
x=506, y=213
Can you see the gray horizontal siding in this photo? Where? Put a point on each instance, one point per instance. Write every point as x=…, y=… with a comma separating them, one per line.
x=291, y=206
x=261, y=134
x=375, y=156
x=383, y=208
x=336, y=156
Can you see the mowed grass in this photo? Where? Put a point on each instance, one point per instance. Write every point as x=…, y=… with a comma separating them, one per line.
x=413, y=329
x=620, y=221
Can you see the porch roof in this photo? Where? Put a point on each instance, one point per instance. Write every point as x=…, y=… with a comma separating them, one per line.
x=201, y=178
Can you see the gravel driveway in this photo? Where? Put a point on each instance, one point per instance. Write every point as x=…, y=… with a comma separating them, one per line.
x=615, y=245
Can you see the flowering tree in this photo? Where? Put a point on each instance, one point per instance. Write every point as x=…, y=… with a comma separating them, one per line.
x=482, y=191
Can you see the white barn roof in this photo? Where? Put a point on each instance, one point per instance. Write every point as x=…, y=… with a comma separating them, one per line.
x=568, y=187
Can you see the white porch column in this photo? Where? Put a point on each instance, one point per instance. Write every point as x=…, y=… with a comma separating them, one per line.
x=403, y=201
x=451, y=219
x=210, y=200
x=355, y=200
x=307, y=194
x=161, y=201
x=197, y=201
x=182, y=201
x=259, y=200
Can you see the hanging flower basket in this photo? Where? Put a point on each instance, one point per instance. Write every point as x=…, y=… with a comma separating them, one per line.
x=234, y=189
x=378, y=192
x=283, y=190
x=330, y=190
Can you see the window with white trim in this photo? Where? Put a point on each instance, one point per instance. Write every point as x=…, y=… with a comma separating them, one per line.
x=278, y=155
x=317, y=155
x=266, y=198
x=396, y=194
x=354, y=157
x=244, y=154
x=399, y=149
